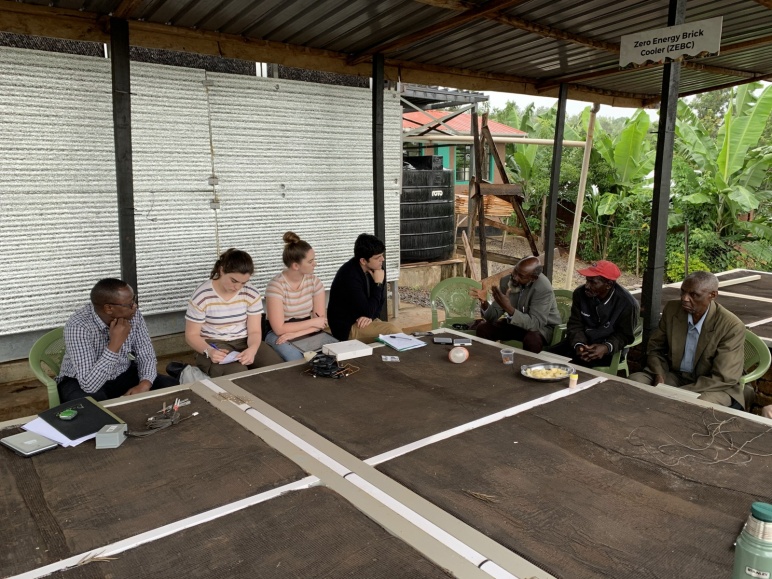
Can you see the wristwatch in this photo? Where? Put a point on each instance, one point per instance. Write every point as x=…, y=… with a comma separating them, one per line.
x=206, y=352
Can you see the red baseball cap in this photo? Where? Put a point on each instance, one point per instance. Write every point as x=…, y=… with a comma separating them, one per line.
x=601, y=268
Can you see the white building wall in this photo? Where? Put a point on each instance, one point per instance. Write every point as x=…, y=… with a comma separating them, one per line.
x=287, y=154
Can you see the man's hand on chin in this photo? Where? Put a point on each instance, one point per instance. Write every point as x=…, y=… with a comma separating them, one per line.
x=143, y=386
x=378, y=275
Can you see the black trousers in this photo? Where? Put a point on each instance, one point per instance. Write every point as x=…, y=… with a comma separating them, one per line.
x=69, y=388
x=502, y=330
x=565, y=349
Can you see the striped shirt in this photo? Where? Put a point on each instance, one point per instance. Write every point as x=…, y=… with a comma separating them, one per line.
x=87, y=359
x=223, y=319
x=298, y=303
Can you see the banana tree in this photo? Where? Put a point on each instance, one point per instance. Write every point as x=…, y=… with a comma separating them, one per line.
x=731, y=169
x=631, y=159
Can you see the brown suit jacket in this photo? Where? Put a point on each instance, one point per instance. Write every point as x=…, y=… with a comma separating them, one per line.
x=718, y=360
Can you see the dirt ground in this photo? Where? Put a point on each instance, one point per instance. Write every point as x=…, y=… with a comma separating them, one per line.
x=518, y=247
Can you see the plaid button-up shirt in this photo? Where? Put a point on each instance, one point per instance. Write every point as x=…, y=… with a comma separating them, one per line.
x=87, y=358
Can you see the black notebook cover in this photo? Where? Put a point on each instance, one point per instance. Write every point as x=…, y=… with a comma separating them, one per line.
x=91, y=417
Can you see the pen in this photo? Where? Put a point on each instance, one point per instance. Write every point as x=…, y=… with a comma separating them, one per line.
x=214, y=347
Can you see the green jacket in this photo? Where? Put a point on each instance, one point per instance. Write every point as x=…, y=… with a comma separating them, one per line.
x=718, y=360
x=535, y=306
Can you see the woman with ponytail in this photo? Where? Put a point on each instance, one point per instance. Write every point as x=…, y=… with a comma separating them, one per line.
x=224, y=315
x=295, y=302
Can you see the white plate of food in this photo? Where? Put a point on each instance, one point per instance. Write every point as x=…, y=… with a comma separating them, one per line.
x=547, y=371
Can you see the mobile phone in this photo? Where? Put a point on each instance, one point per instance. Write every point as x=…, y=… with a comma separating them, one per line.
x=440, y=340
x=462, y=342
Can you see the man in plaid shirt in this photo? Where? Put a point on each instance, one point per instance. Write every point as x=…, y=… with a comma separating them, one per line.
x=108, y=352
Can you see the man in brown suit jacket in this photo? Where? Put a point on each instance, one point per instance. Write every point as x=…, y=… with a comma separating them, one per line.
x=698, y=345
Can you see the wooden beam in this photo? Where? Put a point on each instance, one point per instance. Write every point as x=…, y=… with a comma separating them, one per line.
x=515, y=200
x=497, y=257
x=493, y=280
x=76, y=25
x=434, y=29
x=126, y=8
x=556, y=33
x=19, y=18
x=501, y=189
x=478, y=171
x=471, y=268
x=508, y=228
x=756, y=42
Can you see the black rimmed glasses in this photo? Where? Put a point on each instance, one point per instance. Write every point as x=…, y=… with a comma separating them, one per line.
x=128, y=306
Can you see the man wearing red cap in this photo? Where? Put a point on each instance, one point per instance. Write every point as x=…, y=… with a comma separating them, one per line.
x=603, y=319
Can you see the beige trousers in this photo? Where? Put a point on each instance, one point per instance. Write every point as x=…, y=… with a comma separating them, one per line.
x=371, y=332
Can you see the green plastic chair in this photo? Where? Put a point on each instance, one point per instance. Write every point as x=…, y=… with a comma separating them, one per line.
x=564, y=299
x=618, y=363
x=452, y=295
x=755, y=365
x=48, y=352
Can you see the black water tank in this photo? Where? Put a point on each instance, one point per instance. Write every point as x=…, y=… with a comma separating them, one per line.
x=427, y=218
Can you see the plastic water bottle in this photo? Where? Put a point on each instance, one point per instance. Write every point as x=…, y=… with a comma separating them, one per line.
x=753, y=549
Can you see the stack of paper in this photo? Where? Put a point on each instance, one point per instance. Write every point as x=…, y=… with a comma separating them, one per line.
x=90, y=417
x=401, y=341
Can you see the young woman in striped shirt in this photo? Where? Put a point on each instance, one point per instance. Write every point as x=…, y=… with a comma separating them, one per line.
x=224, y=315
x=295, y=300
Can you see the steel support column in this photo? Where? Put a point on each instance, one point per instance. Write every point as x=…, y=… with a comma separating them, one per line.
x=552, y=211
x=379, y=195
x=124, y=177
x=653, y=276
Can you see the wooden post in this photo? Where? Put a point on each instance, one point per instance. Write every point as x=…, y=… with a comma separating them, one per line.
x=481, y=207
x=514, y=199
x=552, y=210
x=569, y=284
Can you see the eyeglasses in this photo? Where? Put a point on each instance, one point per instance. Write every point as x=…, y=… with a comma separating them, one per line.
x=132, y=305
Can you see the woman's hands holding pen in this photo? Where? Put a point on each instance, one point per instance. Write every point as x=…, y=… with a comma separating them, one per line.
x=215, y=354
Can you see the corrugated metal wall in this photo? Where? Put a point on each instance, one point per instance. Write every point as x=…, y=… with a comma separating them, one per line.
x=288, y=155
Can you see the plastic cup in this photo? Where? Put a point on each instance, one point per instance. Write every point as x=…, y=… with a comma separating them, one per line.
x=508, y=356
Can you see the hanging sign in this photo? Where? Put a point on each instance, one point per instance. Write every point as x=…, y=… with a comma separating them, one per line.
x=700, y=38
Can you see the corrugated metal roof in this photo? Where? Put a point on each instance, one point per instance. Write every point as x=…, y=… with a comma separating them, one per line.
x=461, y=123
x=524, y=46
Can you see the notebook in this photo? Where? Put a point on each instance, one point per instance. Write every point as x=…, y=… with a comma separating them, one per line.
x=90, y=418
x=28, y=443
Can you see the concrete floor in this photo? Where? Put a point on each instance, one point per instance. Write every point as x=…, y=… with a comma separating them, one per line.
x=27, y=397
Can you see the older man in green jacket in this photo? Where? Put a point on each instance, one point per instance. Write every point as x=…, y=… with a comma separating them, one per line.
x=698, y=345
x=523, y=308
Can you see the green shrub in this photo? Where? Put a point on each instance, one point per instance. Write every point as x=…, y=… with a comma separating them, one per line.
x=674, y=268
x=712, y=250
x=756, y=255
